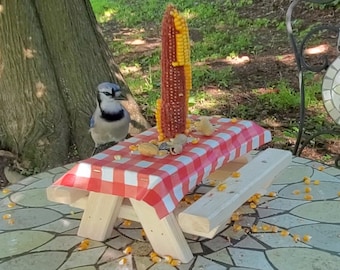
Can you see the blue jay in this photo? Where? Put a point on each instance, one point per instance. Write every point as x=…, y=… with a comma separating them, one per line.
x=110, y=121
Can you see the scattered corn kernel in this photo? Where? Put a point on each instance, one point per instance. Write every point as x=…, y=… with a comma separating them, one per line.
x=306, y=180
x=306, y=238
x=308, y=189
x=296, y=192
x=252, y=205
x=235, y=216
x=258, y=195
x=266, y=227
x=321, y=168
x=11, y=205
x=308, y=197
x=83, y=246
x=6, y=191
x=197, y=196
x=156, y=259
x=233, y=120
x=212, y=183
x=284, y=233
x=127, y=250
x=296, y=237
x=175, y=262
x=123, y=261
x=6, y=216
x=86, y=241
x=142, y=232
x=316, y=182
x=272, y=194
x=237, y=227
x=189, y=199
x=195, y=140
x=133, y=147
x=153, y=254
x=221, y=187
x=254, y=228
x=11, y=221
x=167, y=258
x=339, y=193
x=127, y=222
x=235, y=174
x=275, y=229
x=117, y=157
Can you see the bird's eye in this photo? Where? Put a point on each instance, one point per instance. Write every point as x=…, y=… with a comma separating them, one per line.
x=107, y=93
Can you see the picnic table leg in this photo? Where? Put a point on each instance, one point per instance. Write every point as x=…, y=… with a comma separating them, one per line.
x=99, y=216
x=164, y=234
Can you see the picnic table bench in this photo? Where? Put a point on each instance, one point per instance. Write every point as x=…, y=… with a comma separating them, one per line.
x=149, y=189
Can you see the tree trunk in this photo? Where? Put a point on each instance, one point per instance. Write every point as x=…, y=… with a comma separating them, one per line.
x=52, y=57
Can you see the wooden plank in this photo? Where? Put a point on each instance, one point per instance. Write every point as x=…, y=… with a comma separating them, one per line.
x=126, y=211
x=66, y=195
x=99, y=216
x=226, y=169
x=216, y=207
x=164, y=234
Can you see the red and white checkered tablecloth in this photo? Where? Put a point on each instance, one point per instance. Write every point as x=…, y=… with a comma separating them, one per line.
x=162, y=181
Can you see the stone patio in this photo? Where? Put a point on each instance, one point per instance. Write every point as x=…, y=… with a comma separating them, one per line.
x=38, y=234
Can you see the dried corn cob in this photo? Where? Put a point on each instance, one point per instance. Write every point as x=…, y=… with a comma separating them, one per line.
x=172, y=108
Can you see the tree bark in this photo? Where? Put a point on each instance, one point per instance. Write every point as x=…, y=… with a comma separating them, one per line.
x=52, y=57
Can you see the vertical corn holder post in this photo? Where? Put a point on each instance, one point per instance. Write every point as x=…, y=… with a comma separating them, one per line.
x=176, y=81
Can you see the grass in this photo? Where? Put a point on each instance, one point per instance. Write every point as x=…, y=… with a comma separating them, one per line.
x=219, y=30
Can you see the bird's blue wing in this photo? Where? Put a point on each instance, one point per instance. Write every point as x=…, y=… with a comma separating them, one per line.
x=92, y=122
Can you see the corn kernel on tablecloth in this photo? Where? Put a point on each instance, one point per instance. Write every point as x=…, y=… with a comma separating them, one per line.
x=162, y=181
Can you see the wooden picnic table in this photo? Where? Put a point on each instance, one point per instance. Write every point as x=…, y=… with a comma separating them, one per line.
x=122, y=183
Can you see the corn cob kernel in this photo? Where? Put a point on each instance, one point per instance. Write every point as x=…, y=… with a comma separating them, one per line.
x=284, y=233
x=127, y=250
x=172, y=107
x=306, y=238
x=316, y=182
